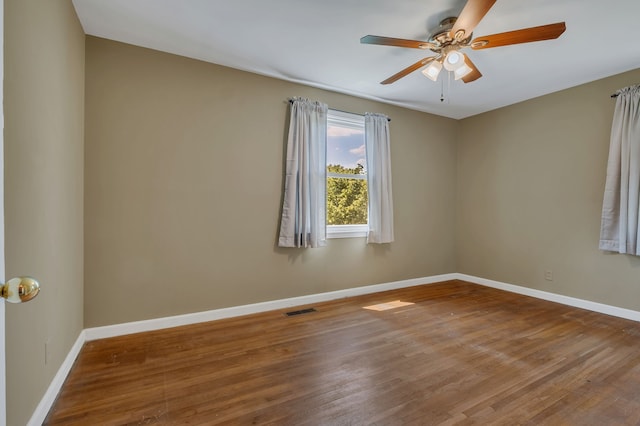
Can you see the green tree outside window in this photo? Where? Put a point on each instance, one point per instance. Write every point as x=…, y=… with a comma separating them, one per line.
x=346, y=197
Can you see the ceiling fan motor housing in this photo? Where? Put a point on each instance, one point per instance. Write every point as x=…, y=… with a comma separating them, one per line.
x=441, y=37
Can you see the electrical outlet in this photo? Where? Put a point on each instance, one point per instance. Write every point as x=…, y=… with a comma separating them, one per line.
x=548, y=275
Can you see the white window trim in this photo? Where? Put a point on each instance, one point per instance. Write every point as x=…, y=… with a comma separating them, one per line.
x=353, y=121
x=347, y=231
x=346, y=119
x=344, y=176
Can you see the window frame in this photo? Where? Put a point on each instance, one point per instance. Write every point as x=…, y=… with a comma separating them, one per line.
x=351, y=121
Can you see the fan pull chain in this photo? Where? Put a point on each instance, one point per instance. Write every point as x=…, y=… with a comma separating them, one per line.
x=442, y=97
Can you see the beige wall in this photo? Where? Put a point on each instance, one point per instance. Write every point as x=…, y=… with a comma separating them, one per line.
x=183, y=182
x=183, y=192
x=43, y=98
x=529, y=197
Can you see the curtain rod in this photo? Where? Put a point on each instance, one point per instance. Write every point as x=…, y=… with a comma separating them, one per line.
x=632, y=87
x=339, y=110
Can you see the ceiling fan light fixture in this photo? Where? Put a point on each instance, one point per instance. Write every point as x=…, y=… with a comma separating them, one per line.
x=461, y=71
x=453, y=60
x=432, y=70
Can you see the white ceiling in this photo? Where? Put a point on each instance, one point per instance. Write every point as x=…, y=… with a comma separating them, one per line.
x=317, y=43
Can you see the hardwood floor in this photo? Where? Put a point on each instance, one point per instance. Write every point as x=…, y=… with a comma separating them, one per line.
x=460, y=354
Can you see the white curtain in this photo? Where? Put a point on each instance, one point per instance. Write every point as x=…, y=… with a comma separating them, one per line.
x=621, y=205
x=304, y=206
x=378, y=152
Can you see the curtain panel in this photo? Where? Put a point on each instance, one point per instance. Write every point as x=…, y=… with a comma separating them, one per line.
x=303, y=221
x=621, y=203
x=378, y=152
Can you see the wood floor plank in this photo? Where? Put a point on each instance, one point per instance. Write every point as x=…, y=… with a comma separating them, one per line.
x=459, y=354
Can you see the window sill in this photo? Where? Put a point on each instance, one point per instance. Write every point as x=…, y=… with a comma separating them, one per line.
x=347, y=231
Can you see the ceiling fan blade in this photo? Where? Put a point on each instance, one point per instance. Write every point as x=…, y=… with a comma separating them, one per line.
x=474, y=74
x=471, y=14
x=398, y=42
x=525, y=35
x=408, y=70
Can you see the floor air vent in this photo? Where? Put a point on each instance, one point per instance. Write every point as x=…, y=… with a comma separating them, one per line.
x=300, y=312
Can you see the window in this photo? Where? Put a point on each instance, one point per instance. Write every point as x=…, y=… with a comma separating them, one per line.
x=347, y=203
x=358, y=187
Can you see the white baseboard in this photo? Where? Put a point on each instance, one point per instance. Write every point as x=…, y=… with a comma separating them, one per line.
x=216, y=314
x=41, y=411
x=554, y=297
x=95, y=333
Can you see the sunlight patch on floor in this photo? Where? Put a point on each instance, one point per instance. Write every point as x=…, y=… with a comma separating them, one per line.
x=388, y=305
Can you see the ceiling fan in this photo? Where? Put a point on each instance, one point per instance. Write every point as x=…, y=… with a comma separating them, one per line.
x=453, y=35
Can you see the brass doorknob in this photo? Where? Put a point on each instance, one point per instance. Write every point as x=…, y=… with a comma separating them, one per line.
x=19, y=290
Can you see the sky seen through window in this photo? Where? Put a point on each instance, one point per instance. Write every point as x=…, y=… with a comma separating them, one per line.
x=345, y=147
